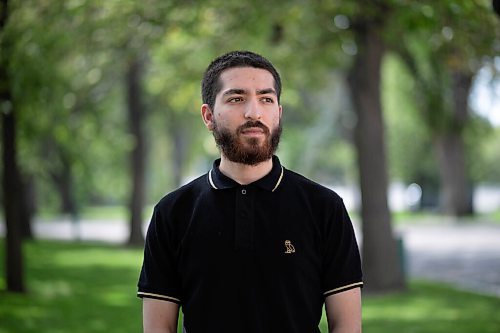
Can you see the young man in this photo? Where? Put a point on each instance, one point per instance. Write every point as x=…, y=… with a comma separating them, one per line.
x=250, y=246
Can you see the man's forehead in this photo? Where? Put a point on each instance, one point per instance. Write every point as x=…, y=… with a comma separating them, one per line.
x=239, y=77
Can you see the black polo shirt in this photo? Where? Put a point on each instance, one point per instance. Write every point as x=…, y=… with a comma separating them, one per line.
x=252, y=258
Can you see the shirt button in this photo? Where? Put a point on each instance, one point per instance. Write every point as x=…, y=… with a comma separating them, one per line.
x=243, y=191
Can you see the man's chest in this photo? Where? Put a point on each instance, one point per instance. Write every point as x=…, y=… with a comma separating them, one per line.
x=245, y=231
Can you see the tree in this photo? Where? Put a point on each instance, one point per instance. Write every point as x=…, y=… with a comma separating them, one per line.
x=381, y=262
x=136, y=112
x=447, y=45
x=496, y=6
x=11, y=175
x=73, y=80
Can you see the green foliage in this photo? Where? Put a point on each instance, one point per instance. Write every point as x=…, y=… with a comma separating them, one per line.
x=437, y=40
x=408, y=137
x=68, y=60
x=91, y=288
x=62, y=97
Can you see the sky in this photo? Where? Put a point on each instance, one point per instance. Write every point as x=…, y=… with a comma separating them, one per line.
x=485, y=97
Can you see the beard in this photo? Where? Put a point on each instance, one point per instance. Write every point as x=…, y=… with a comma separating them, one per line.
x=249, y=151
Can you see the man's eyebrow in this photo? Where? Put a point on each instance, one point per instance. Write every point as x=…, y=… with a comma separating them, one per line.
x=234, y=92
x=266, y=91
x=238, y=91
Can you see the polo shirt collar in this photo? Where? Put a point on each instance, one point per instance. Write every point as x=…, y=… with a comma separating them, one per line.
x=270, y=182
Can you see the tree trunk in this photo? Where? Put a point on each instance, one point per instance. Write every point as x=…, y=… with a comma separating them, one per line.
x=455, y=196
x=63, y=181
x=456, y=189
x=27, y=191
x=138, y=154
x=12, y=202
x=11, y=175
x=382, y=264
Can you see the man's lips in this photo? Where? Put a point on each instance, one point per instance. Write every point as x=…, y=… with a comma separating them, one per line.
x=253, y=130
x=256, y=129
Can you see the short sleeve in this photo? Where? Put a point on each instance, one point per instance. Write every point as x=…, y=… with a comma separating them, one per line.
x=341, y=259
x=159, y=278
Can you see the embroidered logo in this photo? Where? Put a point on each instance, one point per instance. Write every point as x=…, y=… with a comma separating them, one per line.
x=289, y=247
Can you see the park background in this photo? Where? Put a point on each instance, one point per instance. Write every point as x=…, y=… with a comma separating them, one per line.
x=392, y=103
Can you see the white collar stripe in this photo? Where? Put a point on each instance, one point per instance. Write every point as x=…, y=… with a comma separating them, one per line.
x=210, y=180
x=274, y=189
x=279, y=180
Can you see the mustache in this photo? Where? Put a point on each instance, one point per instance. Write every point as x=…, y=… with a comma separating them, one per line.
x=250, y=124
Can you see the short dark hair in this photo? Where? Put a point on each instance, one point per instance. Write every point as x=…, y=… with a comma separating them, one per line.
x=210, y=85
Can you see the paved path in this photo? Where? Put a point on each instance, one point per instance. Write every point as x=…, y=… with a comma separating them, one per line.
x=466, y=255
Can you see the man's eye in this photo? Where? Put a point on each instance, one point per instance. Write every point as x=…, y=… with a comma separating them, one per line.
x=235, y=99
x=268, y=100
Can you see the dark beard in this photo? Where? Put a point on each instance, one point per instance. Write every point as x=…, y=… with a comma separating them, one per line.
x=249, y=152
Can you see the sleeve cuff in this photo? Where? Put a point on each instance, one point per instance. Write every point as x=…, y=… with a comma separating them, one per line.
x=142, y=294
x=343, y=288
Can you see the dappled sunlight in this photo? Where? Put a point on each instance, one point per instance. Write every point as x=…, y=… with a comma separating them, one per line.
x=75, y=288
x=52, y=289
x=95, y=259
x=117, y=297
x=430, y=308
x=20, y=310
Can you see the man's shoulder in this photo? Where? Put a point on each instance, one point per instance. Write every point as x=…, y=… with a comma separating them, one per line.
x=310, y=187
x=186, y=193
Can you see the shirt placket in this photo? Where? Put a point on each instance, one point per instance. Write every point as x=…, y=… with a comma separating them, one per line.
x=244, y=219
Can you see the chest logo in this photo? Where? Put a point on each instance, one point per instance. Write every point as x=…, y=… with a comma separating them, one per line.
x=289, y=247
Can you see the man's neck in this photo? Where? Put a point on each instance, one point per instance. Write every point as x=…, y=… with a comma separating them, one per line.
x=242, y=173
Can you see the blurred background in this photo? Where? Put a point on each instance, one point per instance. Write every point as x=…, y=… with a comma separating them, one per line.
x=394, y=104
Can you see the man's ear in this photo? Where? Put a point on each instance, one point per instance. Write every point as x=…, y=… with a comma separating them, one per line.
x=208, y=116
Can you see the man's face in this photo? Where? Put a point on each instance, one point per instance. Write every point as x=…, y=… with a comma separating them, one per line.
x=246, y=120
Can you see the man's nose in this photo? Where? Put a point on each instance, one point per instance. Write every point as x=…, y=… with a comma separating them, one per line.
x=253, y=110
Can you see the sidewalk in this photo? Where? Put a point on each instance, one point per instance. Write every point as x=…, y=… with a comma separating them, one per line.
x=109, y=231
x=466, y=255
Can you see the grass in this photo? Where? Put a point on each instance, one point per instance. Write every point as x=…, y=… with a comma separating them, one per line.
x=75, y=288
x=82, y=287
x=495, y=216
x=431, y=308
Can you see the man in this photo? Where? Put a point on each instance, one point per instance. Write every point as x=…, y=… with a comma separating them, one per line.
x=250, y=246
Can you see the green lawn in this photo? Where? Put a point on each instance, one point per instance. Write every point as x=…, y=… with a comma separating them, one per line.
x=82, y=287
x=75, y=288
x=431, y=308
